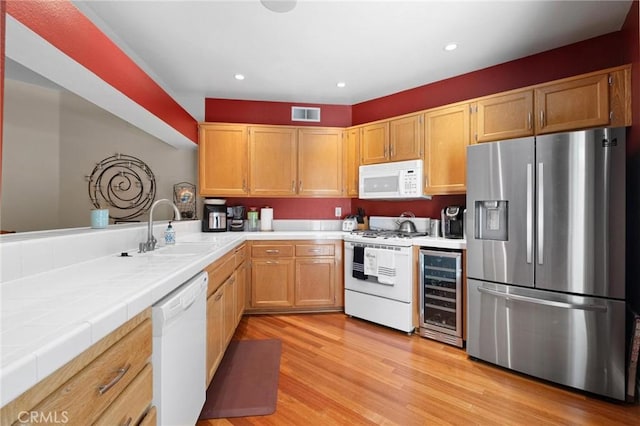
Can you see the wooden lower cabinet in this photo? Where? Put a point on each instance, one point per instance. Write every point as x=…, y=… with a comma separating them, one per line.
x=225, y=304
x=108, y=383
x=215, y=332
x=272, y=282
x=295, y=275
x=315, y=282
x=131, y=406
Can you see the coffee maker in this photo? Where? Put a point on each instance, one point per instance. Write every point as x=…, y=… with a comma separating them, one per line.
x=214, y=217
x=453, y=222
x=237, y=218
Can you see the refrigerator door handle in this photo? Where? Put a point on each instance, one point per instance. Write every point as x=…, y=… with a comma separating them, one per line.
x=540, y=213
x=529, y=213
x=553, y=303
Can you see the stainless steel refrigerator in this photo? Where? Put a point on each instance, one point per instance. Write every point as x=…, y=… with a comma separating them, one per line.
x=546, y=257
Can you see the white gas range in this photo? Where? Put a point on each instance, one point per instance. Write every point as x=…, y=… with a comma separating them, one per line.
x=379, y=273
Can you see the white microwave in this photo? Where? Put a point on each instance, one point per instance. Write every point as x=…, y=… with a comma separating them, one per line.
x=388, y=181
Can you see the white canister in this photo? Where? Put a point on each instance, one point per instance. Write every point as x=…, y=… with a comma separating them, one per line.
x=99, y=218
x=266, y=219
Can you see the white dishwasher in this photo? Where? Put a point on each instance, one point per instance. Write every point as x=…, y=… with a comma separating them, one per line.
x=179, y=349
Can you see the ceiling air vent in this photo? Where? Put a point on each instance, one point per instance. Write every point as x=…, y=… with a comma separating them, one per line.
x=305, y=114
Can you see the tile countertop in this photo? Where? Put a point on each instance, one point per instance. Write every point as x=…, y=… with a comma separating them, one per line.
x=48, y=318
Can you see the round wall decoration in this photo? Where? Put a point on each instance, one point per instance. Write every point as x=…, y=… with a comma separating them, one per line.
x=123, y=184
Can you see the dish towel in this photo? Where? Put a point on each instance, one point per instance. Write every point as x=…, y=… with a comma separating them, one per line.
x=358, y=264
x=386, y=267
x=371, y=261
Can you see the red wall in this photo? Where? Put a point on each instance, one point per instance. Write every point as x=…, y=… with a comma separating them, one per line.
x=263, y=112
x=590, y=55
x=64, y=26
x=291, y=208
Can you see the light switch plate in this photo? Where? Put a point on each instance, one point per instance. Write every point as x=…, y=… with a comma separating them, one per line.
x=338, y=212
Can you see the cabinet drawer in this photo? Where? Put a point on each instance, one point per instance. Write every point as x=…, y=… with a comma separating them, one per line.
x=132, y=404
x=314, y=249
x=95, y=387
x=240, y=255
x=150, y=418
x=219, y=271
x=272, y=250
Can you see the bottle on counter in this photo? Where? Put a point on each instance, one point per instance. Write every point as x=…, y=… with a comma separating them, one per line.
x=252, y=217
x=170, y=235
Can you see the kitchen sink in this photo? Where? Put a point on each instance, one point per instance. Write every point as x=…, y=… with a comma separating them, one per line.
x=179, y=250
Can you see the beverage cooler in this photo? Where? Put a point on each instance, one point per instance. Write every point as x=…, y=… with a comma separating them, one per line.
x=441, y=296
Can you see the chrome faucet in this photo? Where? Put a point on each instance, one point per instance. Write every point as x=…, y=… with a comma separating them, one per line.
x=151, y=242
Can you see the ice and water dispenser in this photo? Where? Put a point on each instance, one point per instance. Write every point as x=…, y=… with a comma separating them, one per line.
x=491, y=220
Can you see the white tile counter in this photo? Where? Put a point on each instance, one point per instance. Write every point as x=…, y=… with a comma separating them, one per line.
x=62, y=292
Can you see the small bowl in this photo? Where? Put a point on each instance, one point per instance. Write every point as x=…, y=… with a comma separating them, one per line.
x=215, y=201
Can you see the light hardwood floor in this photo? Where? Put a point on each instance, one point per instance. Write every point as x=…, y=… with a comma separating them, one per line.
x=337, y=370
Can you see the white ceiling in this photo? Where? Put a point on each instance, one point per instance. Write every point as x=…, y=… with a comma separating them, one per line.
x=194, y=48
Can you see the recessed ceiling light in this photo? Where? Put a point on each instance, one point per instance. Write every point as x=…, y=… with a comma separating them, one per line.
x=239, y=76
x=341, y=84
x=451, y=46
x=279, y=6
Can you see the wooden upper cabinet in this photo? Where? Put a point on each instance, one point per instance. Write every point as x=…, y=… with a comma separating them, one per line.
x=222, y=160
x=447, y=135
x=273, y=161
x=572, y=104
x=352, y=160
x=374, y=143
x=620, y=97
x=320, y=162
x=405, y=138
x=502, y=117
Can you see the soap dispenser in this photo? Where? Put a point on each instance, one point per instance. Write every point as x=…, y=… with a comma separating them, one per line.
x=169, y=235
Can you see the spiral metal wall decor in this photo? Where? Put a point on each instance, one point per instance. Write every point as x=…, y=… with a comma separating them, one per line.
x=123, y=184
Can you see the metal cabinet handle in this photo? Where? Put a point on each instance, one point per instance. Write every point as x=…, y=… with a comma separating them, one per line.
x=540, y=213
x=272, y=251
x=543, y=302
x=102, y=389
x=529, y=213
x=391, y=150
x=272, y=262
x=128, y=422
x=218, y=297
x=541, y=118
x=300, y=186
x=314, y=250
x=529, y=120
x=293, y=186
x=244, y=185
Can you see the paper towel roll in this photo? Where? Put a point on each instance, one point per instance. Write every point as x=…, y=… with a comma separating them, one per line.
x=266, y=219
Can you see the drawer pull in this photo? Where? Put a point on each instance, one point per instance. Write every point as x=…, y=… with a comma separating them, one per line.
x=102, y=389
x=128, y=422
x=272, y=251
x=218, y=297
x=314, y=250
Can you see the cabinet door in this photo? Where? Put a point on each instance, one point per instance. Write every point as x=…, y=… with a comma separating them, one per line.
x=222, y=160
x=447, y=136
x=272, y=283
x=229, y=303
x=405, y=138
x=315, y=282
x=574, y=104
x=352, y=160
x=374, y=143
x=273, y=161
x=620, y=97
x=504, y=117
x=241, y=290
x=320, y=162
x=215, y=331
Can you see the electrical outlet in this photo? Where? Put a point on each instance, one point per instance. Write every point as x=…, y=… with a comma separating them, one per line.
x=338, y=212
